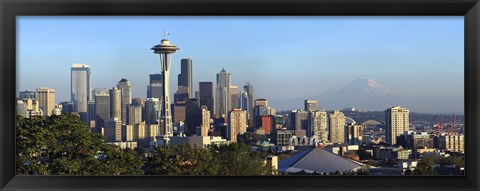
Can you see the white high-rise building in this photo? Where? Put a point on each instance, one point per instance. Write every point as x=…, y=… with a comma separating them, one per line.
x=337, y=127
x=396, y=123
x=46, y=100
x=116, y=103
x=205, y=121
x=165, y=50
x=318, y=125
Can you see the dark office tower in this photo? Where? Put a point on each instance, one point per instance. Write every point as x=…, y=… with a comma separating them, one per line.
x=181, y=95
x=67, y=107
x=185, y=76
x=206, y=96
x=311, y=105
x=138, y=101
x=91, y=114
x=27, y=95
x=126, y=89
x=249, y=89
x=243, y=101
x=155, y=79
x=193, y=118
x=233, y=98
x=102, y=111
x=299, y=122
x=152, y=110
x=179, y=99
x=154, y=90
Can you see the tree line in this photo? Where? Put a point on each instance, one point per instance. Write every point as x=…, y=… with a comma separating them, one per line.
x=62, y=145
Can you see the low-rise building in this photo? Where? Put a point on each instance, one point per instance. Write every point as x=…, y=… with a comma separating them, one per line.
x=198, y=141
x=125, y=145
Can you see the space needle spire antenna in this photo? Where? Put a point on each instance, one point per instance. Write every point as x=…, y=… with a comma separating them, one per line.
x=165, y=50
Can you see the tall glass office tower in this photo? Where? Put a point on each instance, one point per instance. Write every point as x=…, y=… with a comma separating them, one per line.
x=80, y=89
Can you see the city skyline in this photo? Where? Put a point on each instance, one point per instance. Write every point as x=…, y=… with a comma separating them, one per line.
x=262, y=71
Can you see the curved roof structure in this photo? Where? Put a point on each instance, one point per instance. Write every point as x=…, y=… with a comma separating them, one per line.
x=318, y=160
x=372, y=122
x=349, y=120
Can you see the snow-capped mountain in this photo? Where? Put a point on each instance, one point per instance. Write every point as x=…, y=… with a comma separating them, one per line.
x=361, y=93
x=367, y=86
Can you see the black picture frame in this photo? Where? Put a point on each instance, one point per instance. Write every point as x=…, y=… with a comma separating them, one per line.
x=9, y=9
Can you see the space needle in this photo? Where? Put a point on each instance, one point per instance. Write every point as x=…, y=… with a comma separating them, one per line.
x=165, y=50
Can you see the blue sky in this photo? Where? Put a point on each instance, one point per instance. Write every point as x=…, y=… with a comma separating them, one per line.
x=283, y=57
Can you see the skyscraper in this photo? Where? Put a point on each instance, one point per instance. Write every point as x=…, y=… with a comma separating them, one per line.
x=222, y=103
x=261, y=102
x=233, y=98
x=46, y=100
x=67, y=107
x=185, y=76
x=337, y=127
x=205, y=121
x=396, y=123
x=96, y=91
x=80, y=88
x=193, y=116
x=113, y=130
x=126, y=91
x=165, y=50
x=155, y=79
x=154, y=90
x=243, y=101
x=91, y=114
x=317, y=125
x=299, y=122
x=102, y=110
x=206, y=96
x=152, y=110
x=24, y=95
x=311, y=105
x=236, y=124
x=179, y=98
x=249, y=89
x=134, y=114
x=116, y=103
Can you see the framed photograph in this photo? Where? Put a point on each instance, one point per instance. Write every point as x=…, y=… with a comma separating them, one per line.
x=267, y=95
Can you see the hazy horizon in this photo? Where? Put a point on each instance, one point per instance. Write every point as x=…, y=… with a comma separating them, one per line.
x=286, y=59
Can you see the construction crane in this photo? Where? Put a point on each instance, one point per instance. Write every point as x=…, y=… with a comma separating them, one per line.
x=452, y=128
x=439, y=127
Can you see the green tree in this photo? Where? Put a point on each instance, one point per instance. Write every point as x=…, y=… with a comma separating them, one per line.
x=181, y=160
x=452, y=160
x=237, y=159
x=62, y=145
x=425, y=166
